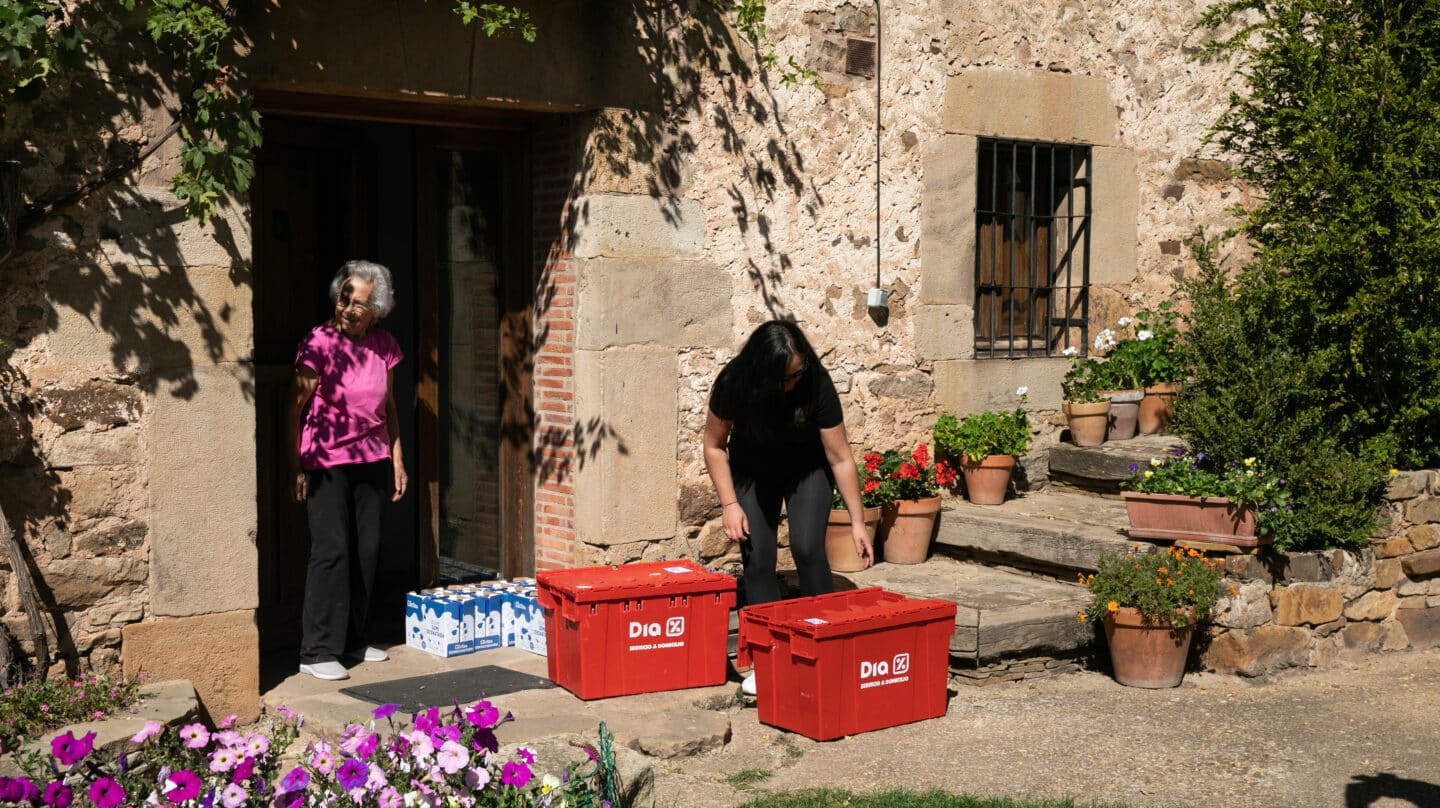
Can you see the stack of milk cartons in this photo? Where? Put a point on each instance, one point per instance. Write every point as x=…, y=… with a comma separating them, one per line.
x=523, y=621
x=440, y=622
x=465, y=618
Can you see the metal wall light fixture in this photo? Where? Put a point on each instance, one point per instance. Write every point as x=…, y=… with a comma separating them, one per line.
x=877, y=298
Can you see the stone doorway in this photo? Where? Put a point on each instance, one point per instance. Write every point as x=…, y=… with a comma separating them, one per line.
x=446, y=208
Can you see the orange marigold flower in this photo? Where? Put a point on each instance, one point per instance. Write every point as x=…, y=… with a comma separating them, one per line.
x=1080, y=616
x=1162, y=570
x=1112, y=606
x=1232, y=590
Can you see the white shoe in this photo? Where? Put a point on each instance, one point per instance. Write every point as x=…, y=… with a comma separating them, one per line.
x=367, y=654
x=748, y=686
x=330, y=671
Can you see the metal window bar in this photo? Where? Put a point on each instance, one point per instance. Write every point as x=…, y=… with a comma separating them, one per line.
x=1033, y=207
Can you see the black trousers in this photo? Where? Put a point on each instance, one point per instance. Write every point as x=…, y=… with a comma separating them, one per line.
x=807, y=506
x=344, y=504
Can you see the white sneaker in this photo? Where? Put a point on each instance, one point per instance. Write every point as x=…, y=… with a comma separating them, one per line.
x=367, y=654
x=748, y=686
x=330, y=671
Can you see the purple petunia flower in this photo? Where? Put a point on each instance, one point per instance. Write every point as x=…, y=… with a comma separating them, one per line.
x=366, y=748
x=58, y=795
x=243, y=771
x=1199, y=455
x=106, y=793
x=352, y=774
x=69, y=750
x=182, y=785
x=515, y=774
x=18, y=790
x=295, y=781
x=483, y=714
x=385, y=711
x=485, y=741
x=427, y=721
x=527, y=754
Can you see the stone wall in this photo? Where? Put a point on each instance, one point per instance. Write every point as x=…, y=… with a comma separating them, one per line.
x=1307, y=609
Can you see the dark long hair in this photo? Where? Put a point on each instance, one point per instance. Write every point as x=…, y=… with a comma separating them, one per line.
x=755, y=377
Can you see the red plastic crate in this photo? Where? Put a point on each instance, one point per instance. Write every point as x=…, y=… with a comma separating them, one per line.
x=848, y=662
x=638, y=628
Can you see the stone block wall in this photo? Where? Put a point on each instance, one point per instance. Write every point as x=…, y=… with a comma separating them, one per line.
x=1308, y=609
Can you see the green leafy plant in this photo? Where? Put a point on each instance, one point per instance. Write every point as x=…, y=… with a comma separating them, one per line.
x=1246, y=483
x=497, y=18
x=874, y=492
x=914, y=476
x=1085, y=379
x=992, y=432
x=1251, y=392
x=1181, y=586
x=34, y=706
x=37, y=40
x=1141, y=351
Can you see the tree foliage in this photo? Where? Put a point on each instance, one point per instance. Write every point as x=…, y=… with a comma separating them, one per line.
x=1341, y=130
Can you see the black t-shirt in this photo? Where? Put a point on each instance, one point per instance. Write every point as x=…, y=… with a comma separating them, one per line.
x=786, y=440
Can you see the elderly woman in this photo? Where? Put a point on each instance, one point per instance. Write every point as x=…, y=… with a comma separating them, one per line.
x=344, y=441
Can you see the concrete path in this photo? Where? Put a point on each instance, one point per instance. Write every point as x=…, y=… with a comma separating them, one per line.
x=1365, y=734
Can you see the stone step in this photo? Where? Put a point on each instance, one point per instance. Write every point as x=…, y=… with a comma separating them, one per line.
x=1101, y=468
x=1052, y=531
x=999, y=614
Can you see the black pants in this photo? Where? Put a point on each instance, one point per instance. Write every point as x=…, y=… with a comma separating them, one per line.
x=807, y=506
x=345, y=504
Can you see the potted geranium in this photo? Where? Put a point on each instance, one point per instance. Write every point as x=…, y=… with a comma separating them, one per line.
x=1149, y=604
x=909, y=520
x=985, y=445
x=1195, y=497
x=1120, y=380
x=874, y=495
x=1087, y=411
x=1157, y=354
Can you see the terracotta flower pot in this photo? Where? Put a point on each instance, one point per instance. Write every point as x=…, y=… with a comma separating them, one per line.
x=1157, y=409
x=839, y=547
x=1088, y=422
x=908, y=525
x=1146, y=654
x=1171, y=517
x=1124, y=413
x=987, y=481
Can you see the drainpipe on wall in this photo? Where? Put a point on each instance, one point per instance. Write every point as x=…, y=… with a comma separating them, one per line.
x=877, y=298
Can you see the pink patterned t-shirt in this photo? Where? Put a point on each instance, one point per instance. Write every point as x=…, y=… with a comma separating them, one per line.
x=346, y=419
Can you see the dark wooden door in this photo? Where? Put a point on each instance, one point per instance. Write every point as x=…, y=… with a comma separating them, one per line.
x=309, y=215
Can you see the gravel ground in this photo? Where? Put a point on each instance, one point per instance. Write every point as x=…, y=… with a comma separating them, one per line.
x=1360, y=735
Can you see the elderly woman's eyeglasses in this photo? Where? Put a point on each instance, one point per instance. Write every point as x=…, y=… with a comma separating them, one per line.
x=354, y=305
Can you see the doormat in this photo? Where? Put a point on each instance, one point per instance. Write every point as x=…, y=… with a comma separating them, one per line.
x=447, y=689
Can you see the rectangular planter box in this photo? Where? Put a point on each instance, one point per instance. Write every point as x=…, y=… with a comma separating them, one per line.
x=1171, y=517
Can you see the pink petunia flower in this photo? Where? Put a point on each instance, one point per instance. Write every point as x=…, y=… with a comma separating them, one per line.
x=195, y=736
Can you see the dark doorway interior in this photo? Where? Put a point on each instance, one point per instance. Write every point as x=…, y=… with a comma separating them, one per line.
x=445, y=211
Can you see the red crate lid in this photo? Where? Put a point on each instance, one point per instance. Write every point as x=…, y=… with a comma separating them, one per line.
x=857, y=611
x=642, y=580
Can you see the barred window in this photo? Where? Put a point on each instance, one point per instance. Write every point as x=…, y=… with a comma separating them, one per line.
x=1032, y=256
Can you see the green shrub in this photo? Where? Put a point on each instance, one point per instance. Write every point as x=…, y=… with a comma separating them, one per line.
x=32, y=707
x=1340, y=126
x=1251, y=392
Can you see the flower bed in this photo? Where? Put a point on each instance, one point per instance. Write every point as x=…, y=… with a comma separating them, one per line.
x=449, y=757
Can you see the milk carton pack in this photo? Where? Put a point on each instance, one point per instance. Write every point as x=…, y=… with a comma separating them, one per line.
x=524, y=621
x=487, y=615
x=439, y=622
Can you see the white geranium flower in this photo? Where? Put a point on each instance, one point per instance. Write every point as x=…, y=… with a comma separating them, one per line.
x=1144, y=335
x=1072, y=351
x=1124, y=321
x=1022, y=390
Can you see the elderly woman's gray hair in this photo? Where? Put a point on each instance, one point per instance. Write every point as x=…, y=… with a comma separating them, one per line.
x=382, y=297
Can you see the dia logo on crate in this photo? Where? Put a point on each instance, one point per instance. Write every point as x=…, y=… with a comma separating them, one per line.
x=674, y=627
x=885, y=672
